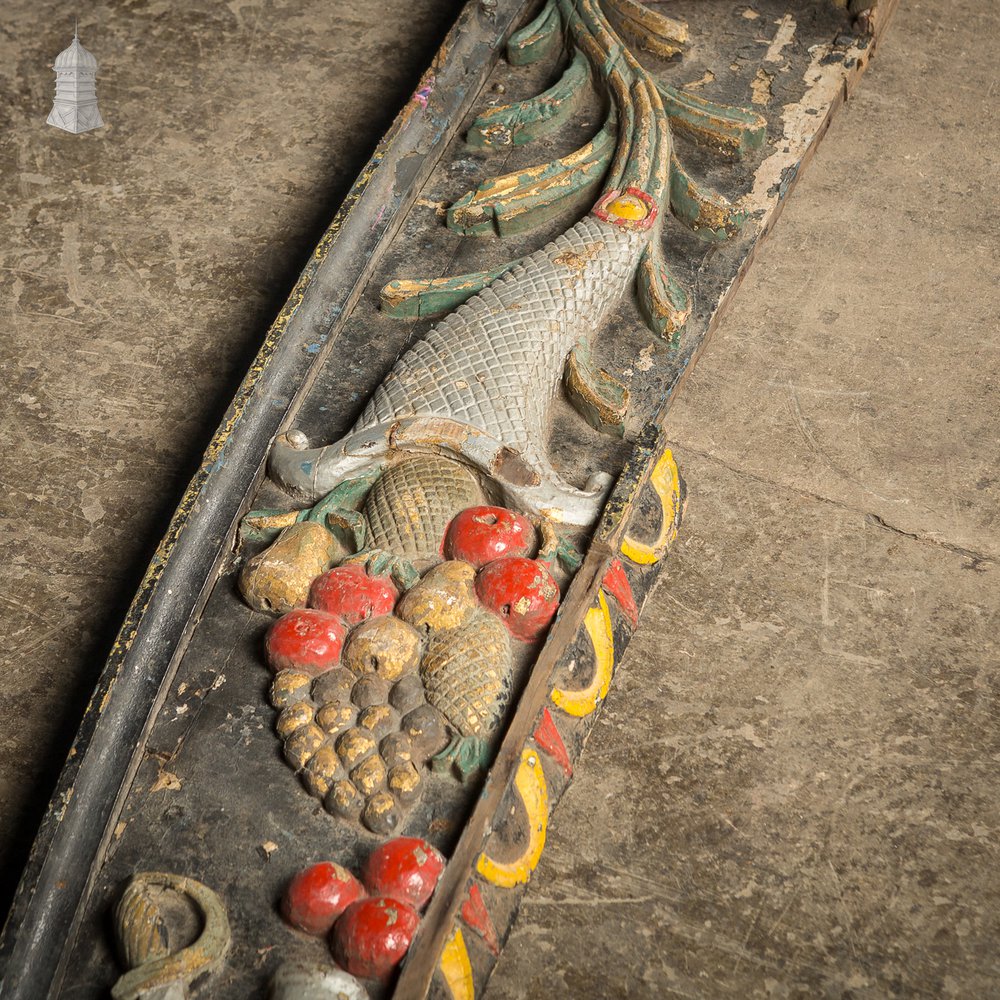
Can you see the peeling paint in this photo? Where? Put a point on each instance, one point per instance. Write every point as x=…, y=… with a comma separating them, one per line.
x=782, y=38
x=801, y=123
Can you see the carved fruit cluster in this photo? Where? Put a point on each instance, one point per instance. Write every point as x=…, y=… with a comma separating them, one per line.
x=370, y=922
x=360, y=732
x=520, y=590
x=370, y=684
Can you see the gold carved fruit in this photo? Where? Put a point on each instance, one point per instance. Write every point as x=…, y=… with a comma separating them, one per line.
x=320, y=772
x=334, y=685
x=369, y=775
x=377, y=719
x=426, y=730
x=404, y=782
x=370, y=690
x=289, y=687
x=381, y=814
x=444, y=598
x=335, y=717
x=293, y=718
x=386, y=646
x=395, y=749
x=354, y=745
x=277, y=579
x=344, y=799
x=467, y=674
x=407, y=693
x=303, y=744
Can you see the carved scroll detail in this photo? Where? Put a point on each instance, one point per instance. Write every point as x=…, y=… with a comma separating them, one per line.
x=143, y=933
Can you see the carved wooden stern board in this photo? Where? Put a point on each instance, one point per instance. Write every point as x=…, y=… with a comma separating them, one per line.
x=497, y=318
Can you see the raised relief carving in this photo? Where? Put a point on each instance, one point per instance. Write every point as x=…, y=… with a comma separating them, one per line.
x=420, y=674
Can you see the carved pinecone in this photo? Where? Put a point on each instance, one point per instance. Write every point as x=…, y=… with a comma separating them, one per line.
x=467, y=674
x=412, y=503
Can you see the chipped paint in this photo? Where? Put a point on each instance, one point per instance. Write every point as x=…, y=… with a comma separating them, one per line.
x=517, y=201
x=802, y=123
x=782, y=39
x=420, y=298
x=654, y=32
x=422, y=94
x=519, y=123
x=537, y=39
x=576, y=260
x=702, y=210
x=598, y=397
x=737, y=130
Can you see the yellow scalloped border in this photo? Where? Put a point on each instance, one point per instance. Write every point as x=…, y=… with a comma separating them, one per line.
x=456, y=967
x=585, y=700
x=529, y=782
x=667, y=483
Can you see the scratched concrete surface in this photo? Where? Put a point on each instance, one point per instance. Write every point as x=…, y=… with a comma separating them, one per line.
x=139, y=268
x=791, y=791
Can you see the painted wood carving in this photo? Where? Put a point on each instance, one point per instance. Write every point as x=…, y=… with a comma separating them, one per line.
x=463, y=417
x=352, y=711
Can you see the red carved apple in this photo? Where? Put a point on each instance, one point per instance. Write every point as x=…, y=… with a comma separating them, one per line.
x=318, y=895
x=350, y=592
x=481, y=534
x=522, y=592
x=407, y=869
x=305, y=640
x=373, y=935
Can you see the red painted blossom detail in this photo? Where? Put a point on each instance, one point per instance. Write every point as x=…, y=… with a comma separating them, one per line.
x=475, y=914
x=616, y=584
x=548, y=738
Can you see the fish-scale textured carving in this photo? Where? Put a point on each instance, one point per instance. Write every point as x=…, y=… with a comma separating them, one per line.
x=411, y=505
x=495, y=363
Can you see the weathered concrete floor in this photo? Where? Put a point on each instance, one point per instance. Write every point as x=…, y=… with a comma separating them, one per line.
x=792, y=790
x=140, y=266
